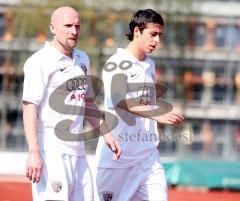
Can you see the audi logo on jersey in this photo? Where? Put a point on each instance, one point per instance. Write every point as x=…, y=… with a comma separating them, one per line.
x=77, y=83
x=145, y=93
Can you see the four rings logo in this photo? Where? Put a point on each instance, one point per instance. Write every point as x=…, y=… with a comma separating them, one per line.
x=77, y=83
x=145, y=93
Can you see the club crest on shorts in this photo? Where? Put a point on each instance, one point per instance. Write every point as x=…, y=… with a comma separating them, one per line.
x=56, y=185
x=107, y=195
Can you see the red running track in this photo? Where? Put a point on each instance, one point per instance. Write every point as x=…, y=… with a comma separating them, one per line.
x=17, y=188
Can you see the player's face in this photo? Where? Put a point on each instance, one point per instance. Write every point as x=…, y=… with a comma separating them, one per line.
x=150, y=37
x=67, y=30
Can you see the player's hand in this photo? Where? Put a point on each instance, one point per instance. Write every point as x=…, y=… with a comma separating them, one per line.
x=113, y=145
x=171, y=118
x=34, y=166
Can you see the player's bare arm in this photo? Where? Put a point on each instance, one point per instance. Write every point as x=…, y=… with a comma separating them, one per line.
x=134, y=105
x=112, y=143
x=34, y=161
x=171, y=118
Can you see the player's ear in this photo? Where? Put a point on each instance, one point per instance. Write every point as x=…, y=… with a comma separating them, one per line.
x=52, y=28
x=136, y=32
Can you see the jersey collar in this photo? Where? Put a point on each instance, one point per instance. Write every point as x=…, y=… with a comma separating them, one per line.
x=58, y=56
x=128, y=56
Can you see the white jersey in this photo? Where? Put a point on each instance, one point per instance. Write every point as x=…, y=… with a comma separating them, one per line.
x=58, y=84
x=137, y=135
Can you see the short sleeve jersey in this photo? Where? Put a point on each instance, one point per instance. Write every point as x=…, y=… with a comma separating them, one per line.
x=58, y=85
x=125, y=77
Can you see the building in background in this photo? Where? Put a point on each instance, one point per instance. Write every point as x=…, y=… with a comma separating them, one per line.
x=197, y=60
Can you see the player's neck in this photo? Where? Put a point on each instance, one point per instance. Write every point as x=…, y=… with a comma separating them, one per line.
x=61, y=49
x=135, y=50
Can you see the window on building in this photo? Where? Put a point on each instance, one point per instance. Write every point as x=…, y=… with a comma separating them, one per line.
x=182, y=36
x=169, y=36
x=220, y=87
x=199, y=35
x=220, y=35
x=176, y=34
x=232, y=36
x=2, y=57
x=15, y=57
x=2, y=25
x=218, y=128
x=219, y=92
x=196, y=126
x=119, y=31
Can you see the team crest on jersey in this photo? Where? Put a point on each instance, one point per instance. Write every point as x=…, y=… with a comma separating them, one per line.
x=56, y=185
x=107, y=195
x=84, y=68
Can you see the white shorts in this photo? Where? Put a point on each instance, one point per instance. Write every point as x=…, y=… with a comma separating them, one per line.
x=64, y=177
x=143, y=181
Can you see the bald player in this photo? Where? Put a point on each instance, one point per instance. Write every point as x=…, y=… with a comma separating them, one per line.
x=56, y=85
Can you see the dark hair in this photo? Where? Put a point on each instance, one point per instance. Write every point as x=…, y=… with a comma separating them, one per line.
x=141, y=18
